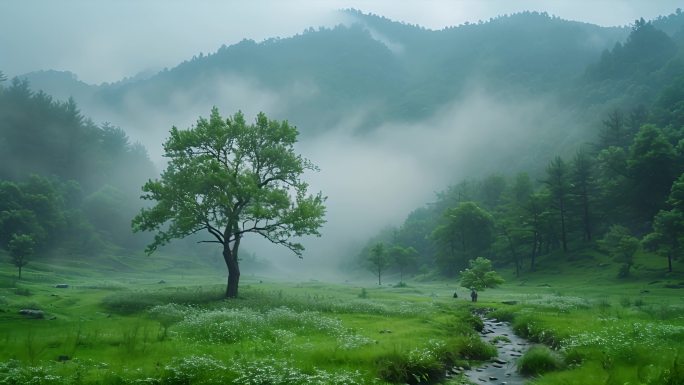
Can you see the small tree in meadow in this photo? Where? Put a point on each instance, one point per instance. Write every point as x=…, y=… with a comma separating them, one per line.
x=20, y=248
x=403, y=258
x=480, y=275
x=622, y=246
x=378, y=260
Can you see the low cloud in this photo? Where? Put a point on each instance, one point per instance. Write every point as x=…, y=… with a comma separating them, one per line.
x=376, y=179
x=372, y=179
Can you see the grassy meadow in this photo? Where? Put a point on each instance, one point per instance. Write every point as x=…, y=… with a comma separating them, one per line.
x=137, y=320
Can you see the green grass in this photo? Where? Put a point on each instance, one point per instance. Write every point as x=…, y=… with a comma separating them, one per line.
x=127, y=327
x=607, y=330
x=539, y=360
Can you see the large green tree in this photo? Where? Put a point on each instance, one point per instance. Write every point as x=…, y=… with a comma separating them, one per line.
x=622, y=246
x=378, y=260
x=558, y=183
x=467, y=231
x=480, y=275
x=583, y=188
x=667, y=237
x=403, y=258
x=227, y=178
x=652, y=168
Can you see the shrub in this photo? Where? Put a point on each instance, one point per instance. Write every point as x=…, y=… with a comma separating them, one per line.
x=473, y=348
x=475, y=322
x=412, y=368
x=128, y=302
x=167, y=315
x=538, y=360
x=194, y=370
x=528, y=327
x=673, y=375
x=22, y=291
x=273, y=372
x=625, y=302
x=13, y=373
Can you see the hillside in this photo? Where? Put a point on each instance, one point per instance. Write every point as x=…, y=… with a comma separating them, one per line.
x=404, y=72
x=619, y=195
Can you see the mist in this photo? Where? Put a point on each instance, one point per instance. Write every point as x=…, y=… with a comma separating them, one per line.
x=373, y=181
x=373, y=178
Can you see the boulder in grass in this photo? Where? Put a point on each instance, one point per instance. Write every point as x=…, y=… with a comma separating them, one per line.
x=62, y=286
x=32, y=313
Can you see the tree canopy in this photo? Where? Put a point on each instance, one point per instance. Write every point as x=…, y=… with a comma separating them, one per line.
x=227, y=178
x=480, y=275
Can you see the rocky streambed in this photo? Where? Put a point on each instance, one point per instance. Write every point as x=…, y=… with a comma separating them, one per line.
x=502, y=370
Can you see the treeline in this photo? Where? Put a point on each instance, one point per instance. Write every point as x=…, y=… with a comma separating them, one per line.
x=67, y=185
x=623, y=192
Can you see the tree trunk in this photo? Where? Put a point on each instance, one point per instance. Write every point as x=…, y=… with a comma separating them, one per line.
x=231, y=259
x=562, y=218
x=379, y=275
x=587, y=220
x=515, y=254
x=535, y=244
x=20, y=270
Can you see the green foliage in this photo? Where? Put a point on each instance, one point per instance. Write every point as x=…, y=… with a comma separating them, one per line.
x=167, y=315
x=419, y=365
x=50, y=156
x=480, y=275
x=667, y=237
x=558, y=183
x=378, y=260
x=36, y=206
x=622, y=246
x=128, y=302
x=282, y=373
x=20, y=249
x=226, y=178
x=539, y=360
x=194, y=370
x=403, y=258
x=651, y=165
x=467, y=230
x=473, y=348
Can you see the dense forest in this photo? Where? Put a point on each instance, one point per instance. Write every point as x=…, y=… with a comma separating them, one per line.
x=619, y=193
x=69, y=184
x=74, y=185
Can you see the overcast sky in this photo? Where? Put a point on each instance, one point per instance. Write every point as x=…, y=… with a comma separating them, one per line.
x=108, y=40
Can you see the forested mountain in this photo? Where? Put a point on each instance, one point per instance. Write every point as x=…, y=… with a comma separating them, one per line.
x=624, y=188
x=67, y=183
x=403, y=72
x=372, y=72
x=618, y=88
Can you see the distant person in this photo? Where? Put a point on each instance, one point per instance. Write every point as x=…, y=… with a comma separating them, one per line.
x=473, y=295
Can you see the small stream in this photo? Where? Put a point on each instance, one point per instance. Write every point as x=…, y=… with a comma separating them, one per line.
x=501, y=370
